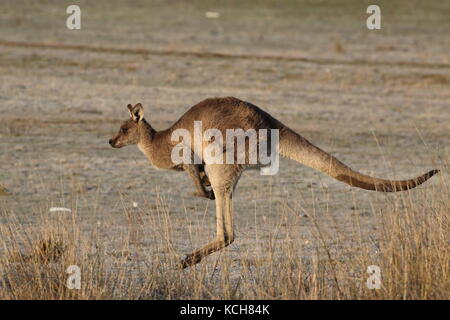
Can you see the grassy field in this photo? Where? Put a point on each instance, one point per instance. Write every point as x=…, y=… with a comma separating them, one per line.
x=377, y=100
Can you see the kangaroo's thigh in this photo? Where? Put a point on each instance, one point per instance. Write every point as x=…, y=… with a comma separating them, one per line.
x=223, y=177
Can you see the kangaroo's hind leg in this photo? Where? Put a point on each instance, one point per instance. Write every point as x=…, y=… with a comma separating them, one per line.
x=223, y=180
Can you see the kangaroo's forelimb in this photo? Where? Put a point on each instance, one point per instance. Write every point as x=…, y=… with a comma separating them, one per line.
x=197, y=173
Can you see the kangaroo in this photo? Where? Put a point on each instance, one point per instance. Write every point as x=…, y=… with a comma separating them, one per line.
x=226, y=113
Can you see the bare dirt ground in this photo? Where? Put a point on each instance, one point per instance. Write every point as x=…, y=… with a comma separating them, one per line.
x=378, y=100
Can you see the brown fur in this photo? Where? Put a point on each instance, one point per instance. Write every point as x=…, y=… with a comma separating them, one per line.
x=232, y=113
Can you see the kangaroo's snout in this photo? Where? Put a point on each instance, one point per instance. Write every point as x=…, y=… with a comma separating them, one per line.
x=113, y=143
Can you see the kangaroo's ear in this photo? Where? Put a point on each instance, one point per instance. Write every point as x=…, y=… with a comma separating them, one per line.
x=136, y=112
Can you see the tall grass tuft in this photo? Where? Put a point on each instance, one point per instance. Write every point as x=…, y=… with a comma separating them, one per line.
x=408, y=242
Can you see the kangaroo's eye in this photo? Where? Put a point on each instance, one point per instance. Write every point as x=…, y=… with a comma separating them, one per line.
x=124, y=130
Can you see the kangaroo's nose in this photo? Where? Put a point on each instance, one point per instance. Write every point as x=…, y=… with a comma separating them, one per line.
x=110, y=141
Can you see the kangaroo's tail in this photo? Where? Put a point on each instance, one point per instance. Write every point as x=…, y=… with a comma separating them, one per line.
x=294, y=146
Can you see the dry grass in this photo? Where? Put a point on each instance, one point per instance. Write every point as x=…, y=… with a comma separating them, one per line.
x=312, y=63
x=3, y=191
x=409, y=243
x=16, y=127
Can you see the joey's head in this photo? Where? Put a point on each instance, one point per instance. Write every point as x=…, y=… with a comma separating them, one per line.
x=129, y=132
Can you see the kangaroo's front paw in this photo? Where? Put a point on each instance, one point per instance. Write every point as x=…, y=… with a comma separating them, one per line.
x=205, y=181
x=211, y=195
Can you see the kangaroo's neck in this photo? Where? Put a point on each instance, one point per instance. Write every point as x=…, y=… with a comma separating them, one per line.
x=154, y=146
x=146, y=134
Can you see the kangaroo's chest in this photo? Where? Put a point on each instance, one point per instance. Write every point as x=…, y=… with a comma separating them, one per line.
x=159, y=160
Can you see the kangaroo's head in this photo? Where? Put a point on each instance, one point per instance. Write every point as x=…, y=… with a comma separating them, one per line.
x=129, y=132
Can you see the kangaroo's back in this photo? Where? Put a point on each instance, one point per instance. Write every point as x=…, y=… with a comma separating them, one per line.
x=226, y=113
x=232, y=113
